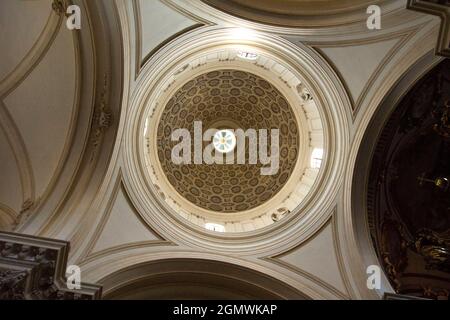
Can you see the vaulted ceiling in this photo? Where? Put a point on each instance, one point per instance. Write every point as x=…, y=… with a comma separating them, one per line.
x=408, y=202
x=73, y=108
x=229, y=99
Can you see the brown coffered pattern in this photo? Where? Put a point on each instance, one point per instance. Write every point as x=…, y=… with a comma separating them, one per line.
x=242, y=100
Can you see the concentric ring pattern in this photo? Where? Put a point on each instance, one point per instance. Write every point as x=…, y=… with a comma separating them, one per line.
x=228, y=99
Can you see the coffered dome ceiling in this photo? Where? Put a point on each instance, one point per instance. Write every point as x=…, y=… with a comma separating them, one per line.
x=86, y=118
x=407, y=202
x=228, y=99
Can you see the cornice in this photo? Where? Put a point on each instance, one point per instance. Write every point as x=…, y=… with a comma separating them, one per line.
x=101, y=94
x=402, y=38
